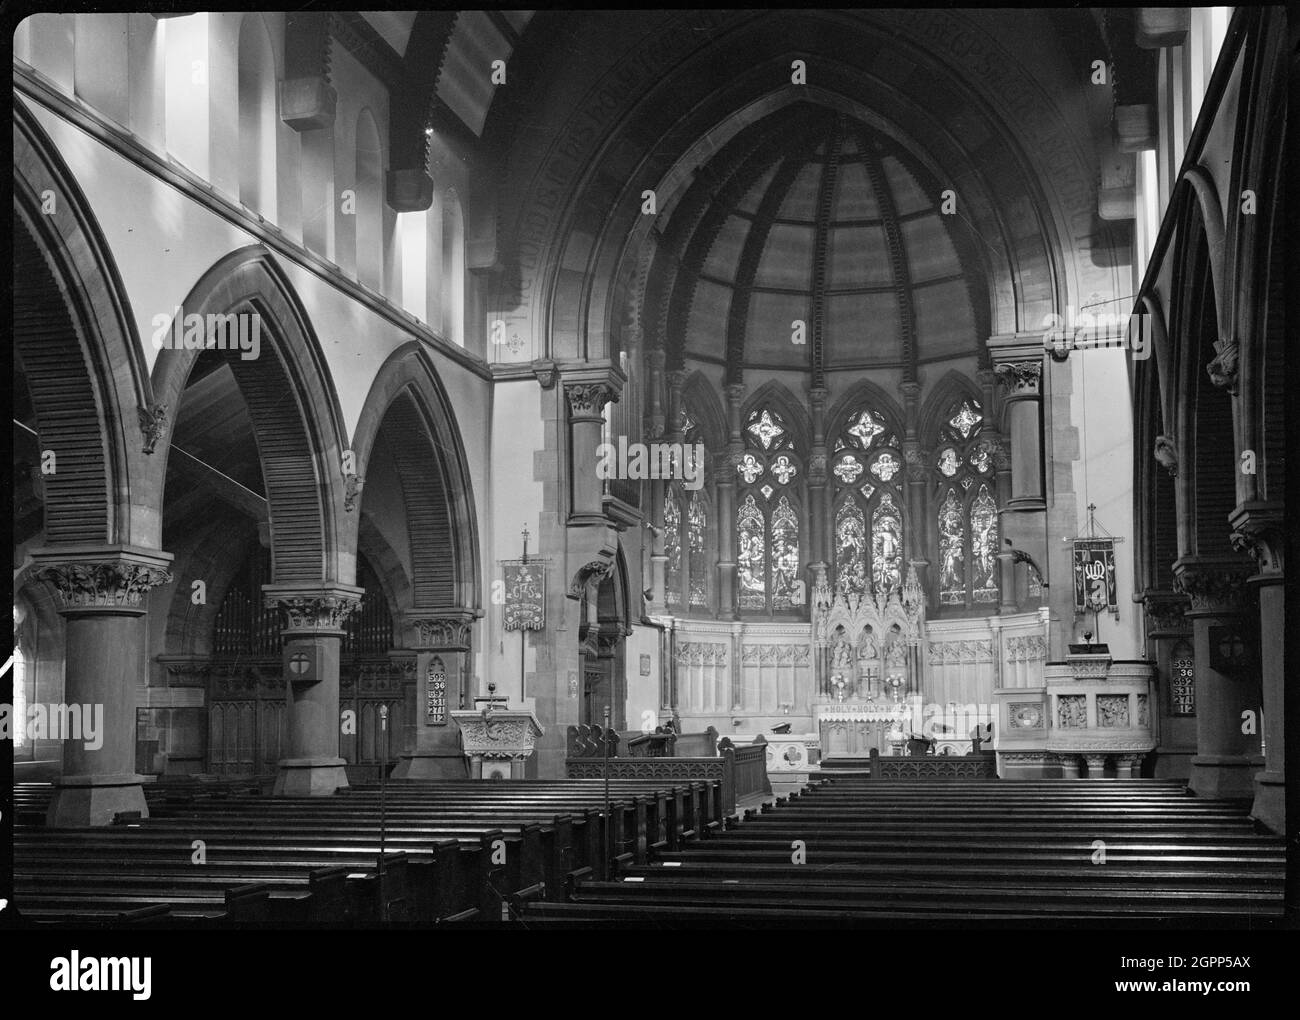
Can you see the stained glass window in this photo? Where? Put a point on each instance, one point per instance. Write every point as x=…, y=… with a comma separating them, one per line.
x=751, y=560
x=886, y=545
x=848, y=469
x=767, y=427
x=952, y=548
x=850, y=548
x=984, y=546
x=768, y=516
x=785, y=553
x=698, y=520
x=673, y=550
x=866, y=426
x=967, y=514
x=886, y=466
x=869, y=518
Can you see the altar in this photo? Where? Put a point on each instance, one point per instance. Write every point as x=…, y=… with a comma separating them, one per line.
x=867, y=666
x=855, y=731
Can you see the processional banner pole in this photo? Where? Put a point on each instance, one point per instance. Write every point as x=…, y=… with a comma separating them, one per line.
x=609, y=826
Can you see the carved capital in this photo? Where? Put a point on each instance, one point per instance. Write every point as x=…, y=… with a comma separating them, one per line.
x=592, y=573
x=1213, y=585
x=676, y=379
x=153, y=425
x=92, y=580
x=443, y=631
x=1000, y=450
x=321, y=610
x=735, y=392
x=654, y=426
x=655, y=358
x=587, y=400
x=1020, y=376
x=544, y=371
x=1223, y=369
x=1166, y=453
x=1257, y=528
x=1164, y=613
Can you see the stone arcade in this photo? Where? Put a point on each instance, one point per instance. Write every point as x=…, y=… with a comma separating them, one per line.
x=867, y=381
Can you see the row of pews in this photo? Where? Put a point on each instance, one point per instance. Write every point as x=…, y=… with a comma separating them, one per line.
x=954, y=852
x=212, y=856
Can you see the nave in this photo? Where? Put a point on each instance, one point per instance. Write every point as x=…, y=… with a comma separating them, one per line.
x=847, y=850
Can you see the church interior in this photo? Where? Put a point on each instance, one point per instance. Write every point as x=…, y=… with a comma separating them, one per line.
x=585, y=468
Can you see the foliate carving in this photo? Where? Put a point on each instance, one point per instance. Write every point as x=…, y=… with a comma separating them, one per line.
x=1212, y=587
x=592, y=573
x=588, y=400
x=774, y=655
x=153, y=425
x=326, y=611
x=702, y=653
x=817, y=469
x=1144, y=711
x=1026, y=648
x=104, y=584
x=1257, y=530
x=915, y=459
x=943, y=652
x=442, y=633
x=352, y=486
x=1223, y=369
x=1166, y=454
x=1020, y=376
x=1164, y=611
x=545, y=371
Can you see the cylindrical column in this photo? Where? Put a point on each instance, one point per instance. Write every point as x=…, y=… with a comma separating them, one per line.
x=1222, y=766
x=100, y=594
x=587, y=402
x=313, y=637
x=1258, y=528
x=1024, y=431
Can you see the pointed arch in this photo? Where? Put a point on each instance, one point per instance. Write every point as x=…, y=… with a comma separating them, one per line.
x=434, y=472
x=864, y=392
x=293, y=407
x=779, y=396
x=952, y=386
x=76, y=342
x=701, y=399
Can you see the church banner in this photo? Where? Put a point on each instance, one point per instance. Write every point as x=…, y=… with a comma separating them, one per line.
x=1094, y=575
x=525, y=595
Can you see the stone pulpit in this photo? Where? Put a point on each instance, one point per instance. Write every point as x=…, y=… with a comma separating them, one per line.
x=503, y=738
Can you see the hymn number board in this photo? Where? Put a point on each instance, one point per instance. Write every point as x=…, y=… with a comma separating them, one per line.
x=1182, y=689
x=436, y=693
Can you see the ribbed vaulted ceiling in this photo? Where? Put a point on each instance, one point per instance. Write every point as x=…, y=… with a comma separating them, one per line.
x=812, y=215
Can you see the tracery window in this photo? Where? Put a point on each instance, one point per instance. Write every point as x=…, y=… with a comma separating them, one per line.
x=686, y=536
x=966, y=513
x=867, y=464
x=768, y=514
